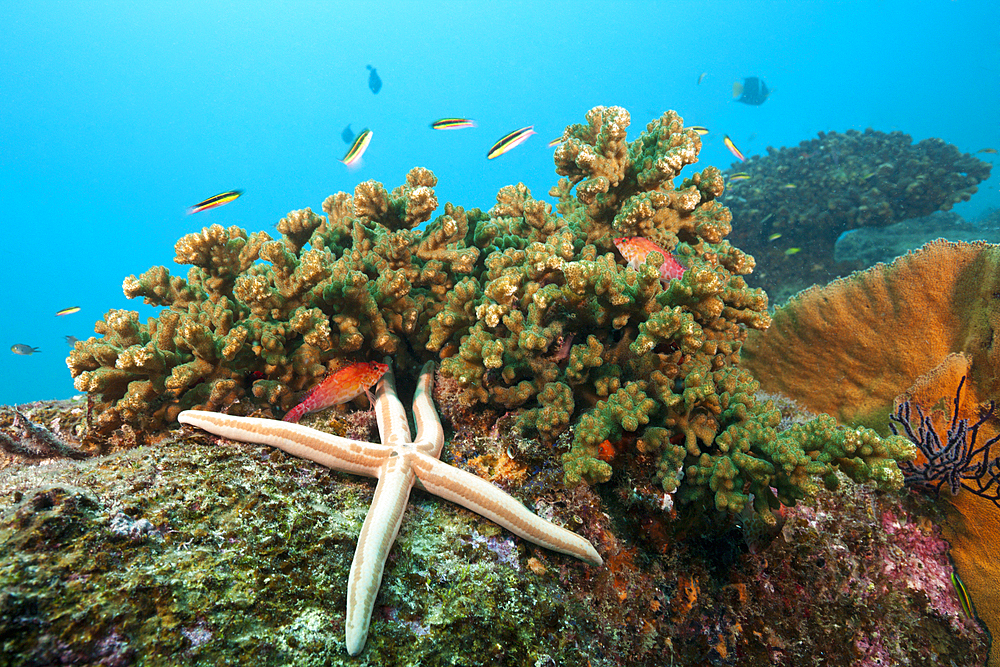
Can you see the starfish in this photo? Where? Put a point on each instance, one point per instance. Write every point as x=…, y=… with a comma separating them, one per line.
x=399, y=463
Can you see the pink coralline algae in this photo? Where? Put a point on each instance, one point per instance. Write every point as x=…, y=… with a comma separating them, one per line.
x=916, y=555
x=867, y=573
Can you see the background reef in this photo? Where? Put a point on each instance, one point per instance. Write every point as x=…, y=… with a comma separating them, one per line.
x=812, y=193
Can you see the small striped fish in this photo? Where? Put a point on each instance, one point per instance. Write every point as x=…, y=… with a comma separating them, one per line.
x=213, y=202
x=732, y=148
x=963, y=595
x=512, y=140
x=452, y=123
x=358, y=148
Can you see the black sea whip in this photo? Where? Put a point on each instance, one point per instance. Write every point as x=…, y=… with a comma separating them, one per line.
x=957, y=460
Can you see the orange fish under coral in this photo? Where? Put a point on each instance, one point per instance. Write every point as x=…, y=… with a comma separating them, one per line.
x=635, y=248
x=344, y=385
x=606, y=451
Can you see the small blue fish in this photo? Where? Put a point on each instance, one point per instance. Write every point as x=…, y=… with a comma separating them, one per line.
x=347, y=135
x=23, y=349
x=374, y=82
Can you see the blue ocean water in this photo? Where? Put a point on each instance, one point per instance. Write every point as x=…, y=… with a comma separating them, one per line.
x=117, y=116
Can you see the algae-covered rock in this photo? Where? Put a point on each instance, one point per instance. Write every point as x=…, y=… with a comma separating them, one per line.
x=201, y=551
x=198, y=553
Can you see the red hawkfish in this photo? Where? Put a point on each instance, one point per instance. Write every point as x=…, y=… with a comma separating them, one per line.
x=346, y=384
x=635, y=248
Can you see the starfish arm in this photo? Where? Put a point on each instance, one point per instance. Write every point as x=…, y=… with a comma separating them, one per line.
x=478, y=495
x=377, y=535
x=334, y=452
x=430, y=435
x=389, y=411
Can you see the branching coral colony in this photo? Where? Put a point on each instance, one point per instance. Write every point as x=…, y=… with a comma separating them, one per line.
x=531, y=311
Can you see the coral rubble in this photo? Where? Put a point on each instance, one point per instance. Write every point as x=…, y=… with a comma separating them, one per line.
x=41, y=432
x=812, y=193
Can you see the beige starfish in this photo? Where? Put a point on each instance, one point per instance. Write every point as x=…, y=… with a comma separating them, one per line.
x=399, y=464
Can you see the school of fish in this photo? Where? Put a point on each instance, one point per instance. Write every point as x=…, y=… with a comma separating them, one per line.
x=633, y=249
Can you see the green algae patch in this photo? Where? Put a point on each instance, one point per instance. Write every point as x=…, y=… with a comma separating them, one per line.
x=202, y=553
x=183, y=549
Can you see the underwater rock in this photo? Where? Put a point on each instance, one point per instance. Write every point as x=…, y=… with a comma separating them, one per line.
x=206, y=551
x=868, y=246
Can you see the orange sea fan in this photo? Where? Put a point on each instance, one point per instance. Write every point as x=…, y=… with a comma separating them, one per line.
x=850, y=347
x=972, y=524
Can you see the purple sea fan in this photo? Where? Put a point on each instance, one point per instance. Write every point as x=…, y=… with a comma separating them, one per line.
x=955, y=460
